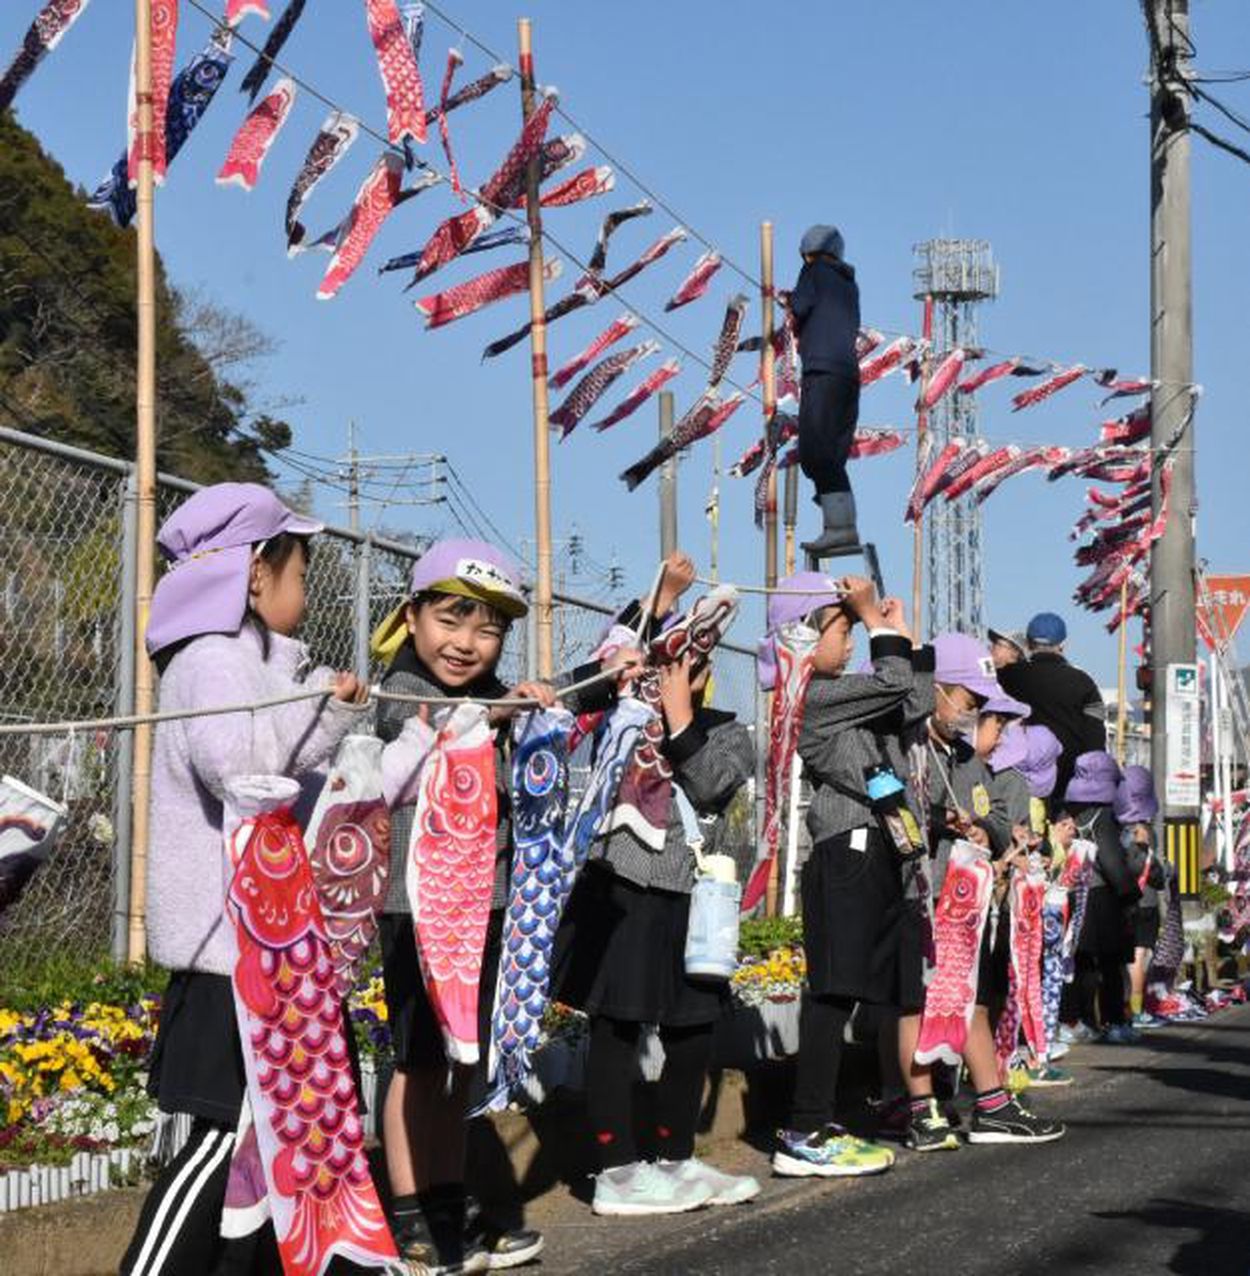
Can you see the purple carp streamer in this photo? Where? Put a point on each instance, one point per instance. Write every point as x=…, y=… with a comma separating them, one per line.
x=596, y=383
x=640, y=394
x=43, y=35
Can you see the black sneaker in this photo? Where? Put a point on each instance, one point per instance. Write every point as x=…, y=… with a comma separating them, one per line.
x=502, y=1246
x=434, y=1241
x=1013, y=1123
x=930, y=1131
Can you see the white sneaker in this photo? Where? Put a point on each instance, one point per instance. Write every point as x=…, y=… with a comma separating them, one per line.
x=727, y=1189
x=643, y=1188
x=1057, y=1049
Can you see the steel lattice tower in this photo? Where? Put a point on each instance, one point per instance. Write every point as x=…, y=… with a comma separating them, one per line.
x=958, y=274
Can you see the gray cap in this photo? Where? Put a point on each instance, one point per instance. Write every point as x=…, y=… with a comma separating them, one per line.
x=822, y=239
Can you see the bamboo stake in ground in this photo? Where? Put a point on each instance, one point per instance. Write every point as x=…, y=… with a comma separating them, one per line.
x=922, y=427
x=145, y=471
x=538, y=359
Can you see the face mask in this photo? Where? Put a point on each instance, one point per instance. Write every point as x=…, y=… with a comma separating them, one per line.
x=962, y=727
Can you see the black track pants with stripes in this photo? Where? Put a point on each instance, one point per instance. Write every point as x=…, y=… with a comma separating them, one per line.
x=179, y=1231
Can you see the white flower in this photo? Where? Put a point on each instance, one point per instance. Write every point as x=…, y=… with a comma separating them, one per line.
x=100, y=827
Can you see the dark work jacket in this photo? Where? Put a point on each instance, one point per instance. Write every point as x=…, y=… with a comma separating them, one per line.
x=825, y=305
x=1065, y=699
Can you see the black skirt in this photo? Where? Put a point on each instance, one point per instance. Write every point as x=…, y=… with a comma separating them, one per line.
x=1145, y=927
x=862, y=938
x=621, y=951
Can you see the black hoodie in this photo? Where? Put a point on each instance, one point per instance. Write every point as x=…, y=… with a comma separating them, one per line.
x=825, y=305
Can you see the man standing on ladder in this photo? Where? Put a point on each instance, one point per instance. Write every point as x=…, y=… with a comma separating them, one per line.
x=825, y=306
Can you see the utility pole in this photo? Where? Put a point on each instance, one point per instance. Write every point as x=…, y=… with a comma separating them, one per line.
x=668, y=481
x=1172, y=627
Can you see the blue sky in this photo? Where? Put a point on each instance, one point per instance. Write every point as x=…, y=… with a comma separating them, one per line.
x=896, y=122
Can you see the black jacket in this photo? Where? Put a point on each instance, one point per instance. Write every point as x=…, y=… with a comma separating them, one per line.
x=825, y=305
x=1065, y=699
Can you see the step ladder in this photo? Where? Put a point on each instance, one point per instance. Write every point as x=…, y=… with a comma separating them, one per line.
x=867, y=551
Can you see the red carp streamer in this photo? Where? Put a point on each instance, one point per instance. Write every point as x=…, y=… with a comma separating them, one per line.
x=455, y=59
x=1052, y=385
x=982, y=468
x=405, y=98
x=581, y=186
x=866, y=342
x=727, y=342
x=375, y=201
x=696, y=283
x=613, y=333
x=256, y=135
x=927, y=481
x=944, y=376
x=891, y=358
x=705, y=418
x=464, y=299
x=596, y=383
x=993, y=373
x=640, y=394
x=237, y=10
x=1127, y=429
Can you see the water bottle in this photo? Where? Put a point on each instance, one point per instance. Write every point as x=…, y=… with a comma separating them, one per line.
x=888, y=796
x=712, y=931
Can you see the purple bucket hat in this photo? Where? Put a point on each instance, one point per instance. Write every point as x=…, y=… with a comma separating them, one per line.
x=798, y=596
x=1095, y=779
x=1040, y=766
x=964, y=662
x=1135, y=800
x=1012, y=750
x=209, y=541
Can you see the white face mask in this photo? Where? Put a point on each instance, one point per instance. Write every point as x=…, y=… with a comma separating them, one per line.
x=962, y=727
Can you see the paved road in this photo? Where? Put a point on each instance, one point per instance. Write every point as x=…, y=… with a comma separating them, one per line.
x=1154, y=1176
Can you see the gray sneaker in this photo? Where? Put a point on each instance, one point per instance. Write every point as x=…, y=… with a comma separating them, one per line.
x=727, y=1189
x=643, y=1188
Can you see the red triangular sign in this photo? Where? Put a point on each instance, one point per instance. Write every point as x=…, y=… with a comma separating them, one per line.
x=1220, y=614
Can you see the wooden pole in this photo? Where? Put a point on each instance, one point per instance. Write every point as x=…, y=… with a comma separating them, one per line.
x=922, y=427
x=791, y=516
x=1121, y=711
x=145, y=472
x=538, y=362
x=768, y=378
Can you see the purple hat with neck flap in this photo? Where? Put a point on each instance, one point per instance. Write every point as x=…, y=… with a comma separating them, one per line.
x=1095, y=779
x=796, y=597
x=1135, y=800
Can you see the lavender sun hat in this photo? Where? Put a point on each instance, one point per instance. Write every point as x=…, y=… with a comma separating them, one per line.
x=798, y=596
x=209, y=541
x=1095, y=779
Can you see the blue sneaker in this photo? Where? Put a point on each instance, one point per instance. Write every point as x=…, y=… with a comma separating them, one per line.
x=642, y=1188
x=1120, y=1034
x=1143, y=1021
x=831, y=1152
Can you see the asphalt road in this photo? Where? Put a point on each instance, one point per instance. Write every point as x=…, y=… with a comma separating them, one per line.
x=1153, y=1176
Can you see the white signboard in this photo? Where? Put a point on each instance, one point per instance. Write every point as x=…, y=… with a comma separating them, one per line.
x=1184, y=738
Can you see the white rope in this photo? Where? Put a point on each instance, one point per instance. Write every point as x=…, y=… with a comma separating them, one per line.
x=831, y=588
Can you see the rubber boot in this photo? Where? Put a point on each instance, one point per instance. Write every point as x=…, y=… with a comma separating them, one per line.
x=839, y=535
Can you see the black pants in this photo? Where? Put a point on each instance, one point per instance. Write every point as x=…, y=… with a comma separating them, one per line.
x=610, y=1077
x=179, y=1228
x=822, y=1023
x=828, y=415
x=1100, y=989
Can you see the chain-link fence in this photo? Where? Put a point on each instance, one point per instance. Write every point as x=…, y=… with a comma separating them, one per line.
x=67, y=537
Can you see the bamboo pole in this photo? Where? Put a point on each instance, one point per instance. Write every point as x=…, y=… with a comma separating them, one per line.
x=1121, y=711
x=922, y=427
x=791, y=517
x=538, y=361
x=768, y=380
x=145, y=472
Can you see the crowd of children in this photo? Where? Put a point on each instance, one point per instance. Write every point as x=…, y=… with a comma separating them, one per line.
x=933, y=797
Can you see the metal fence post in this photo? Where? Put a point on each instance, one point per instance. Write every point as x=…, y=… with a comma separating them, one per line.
x=363, y=571
x=125, y=702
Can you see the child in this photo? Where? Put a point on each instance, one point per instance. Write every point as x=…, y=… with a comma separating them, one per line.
x=1105, y=941
x=860, y=929
x=825, y=306
x=1135, y=808
x=220, y=631
x=446, y=640
x=961, y=806
x=620, y=958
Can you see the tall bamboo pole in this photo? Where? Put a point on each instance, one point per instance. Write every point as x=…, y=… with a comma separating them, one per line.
x=145, y=471
x=922, y=428
x=768, y=380
x=538, y=361
x=1121, y=711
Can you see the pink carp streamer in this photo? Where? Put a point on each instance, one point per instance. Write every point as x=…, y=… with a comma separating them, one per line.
x=256, y=135
x=507, y=183
x=334, y=139
x=614, y=332
x=959, y=923
x=451, y=870
x=630, y=404
x=237, y=10
x=983, y=468
x=42, y=36
x=994, y=372
x=442, y=308
x=891, y=358
x=867, y=340
x=596, y=383
x=401, y=79
x=727, y=342
x=944, y=377
x=455, y=59
x=306, y=1134
x=793, y=648
x=968, y=459
x=377, y=198
x=1052, y=385
x=877, y=440
x=587, y=184
x=704, y=419
x=1129, y=429
x=927, y=485
x=1126, y=389
x=697, y=282
x=1024, y=995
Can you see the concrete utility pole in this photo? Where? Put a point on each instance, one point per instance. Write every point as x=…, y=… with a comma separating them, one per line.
x=1174, y=727
x=668, y=481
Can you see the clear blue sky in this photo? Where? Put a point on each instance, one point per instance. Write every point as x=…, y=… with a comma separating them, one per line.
x=1022, y=125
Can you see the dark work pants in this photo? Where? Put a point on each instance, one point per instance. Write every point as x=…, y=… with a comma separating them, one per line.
x=822, y=1022
x=828, y=414
x=1100, y=988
